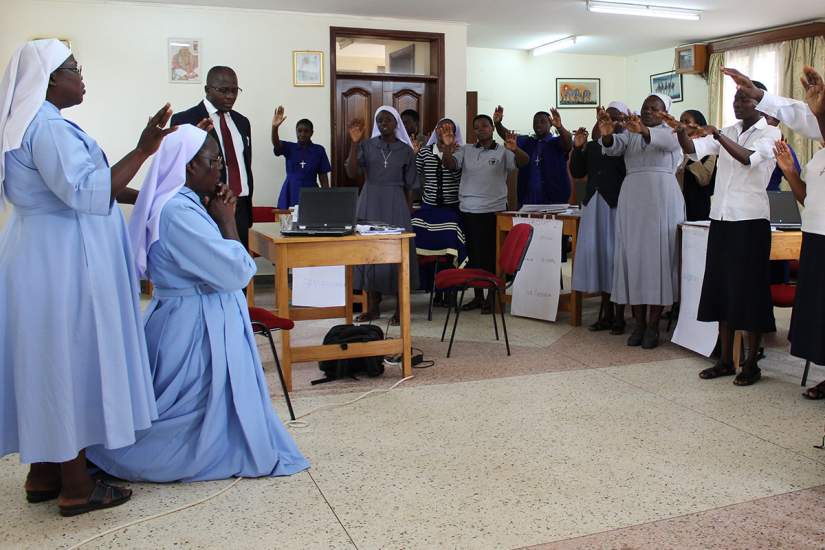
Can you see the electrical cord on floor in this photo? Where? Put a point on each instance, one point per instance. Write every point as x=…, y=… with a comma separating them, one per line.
x=156, y=516
x=297, y=423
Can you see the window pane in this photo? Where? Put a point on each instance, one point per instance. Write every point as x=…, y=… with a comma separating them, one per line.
x=762, y=63
x=373, y=55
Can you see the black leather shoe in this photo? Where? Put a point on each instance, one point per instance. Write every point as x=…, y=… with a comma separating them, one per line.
x=651, y=338
x=636, y=337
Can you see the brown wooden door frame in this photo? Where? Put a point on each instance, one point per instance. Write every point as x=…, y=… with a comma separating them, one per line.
x=435, y=80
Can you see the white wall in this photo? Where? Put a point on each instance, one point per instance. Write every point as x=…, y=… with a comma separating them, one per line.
x=524, y=84
x=639, y=69
x=122, y=48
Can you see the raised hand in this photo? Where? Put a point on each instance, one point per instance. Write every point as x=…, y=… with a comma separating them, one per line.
x=580, y=138
x=416, y=145
x=498, y=115
x=605, y=123
x=510, y=142
x=671, y=121
x=784, y=158
x=152, y=136
x=633, y=124
x=356, y=130
x=206, y=125
x=744, y=83
x=814, y=90
x=555, y=117
x=445, y=133
x=278, y=118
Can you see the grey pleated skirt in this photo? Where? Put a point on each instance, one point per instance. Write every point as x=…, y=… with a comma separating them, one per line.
x=593, y=266
x=646, y=259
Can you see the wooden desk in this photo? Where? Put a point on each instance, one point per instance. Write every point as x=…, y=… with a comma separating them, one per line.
x=288, y=252
x=569, y=301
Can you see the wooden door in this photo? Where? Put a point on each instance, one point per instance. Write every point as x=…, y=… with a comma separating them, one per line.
x=356, y=98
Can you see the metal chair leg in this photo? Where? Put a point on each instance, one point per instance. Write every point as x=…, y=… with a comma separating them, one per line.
x=266, y=332
x=805, y=374
x=495, y=324
x=503, y=323
x=450, y=293
x=455, y=322
x=430, y=308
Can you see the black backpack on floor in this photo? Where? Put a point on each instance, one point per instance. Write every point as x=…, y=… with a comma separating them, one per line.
x=347, y=368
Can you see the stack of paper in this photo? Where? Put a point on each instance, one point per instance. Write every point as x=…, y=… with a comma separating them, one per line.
x=544, y=208
x=378, y=229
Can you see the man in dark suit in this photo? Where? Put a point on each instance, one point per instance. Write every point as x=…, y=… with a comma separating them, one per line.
x=233, y=133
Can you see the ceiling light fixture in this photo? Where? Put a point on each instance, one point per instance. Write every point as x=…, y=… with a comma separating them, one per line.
x=643, y=10
x=554, y=46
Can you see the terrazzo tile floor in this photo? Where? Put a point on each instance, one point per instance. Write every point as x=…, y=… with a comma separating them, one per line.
x=575, y=441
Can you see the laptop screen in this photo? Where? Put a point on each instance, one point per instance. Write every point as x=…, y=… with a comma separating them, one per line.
x=784, y=209
x=334, y=207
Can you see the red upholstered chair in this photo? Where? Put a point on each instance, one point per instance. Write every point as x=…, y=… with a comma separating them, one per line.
x=263, y=323
x=262, y=214
x=511, y=259
x=438, y=262
x=784, y=295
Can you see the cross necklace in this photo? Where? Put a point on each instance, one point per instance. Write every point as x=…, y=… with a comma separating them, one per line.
x=386, y=157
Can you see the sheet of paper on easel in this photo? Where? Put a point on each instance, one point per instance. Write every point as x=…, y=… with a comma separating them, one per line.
x=318, y=286
x=538, y=284
x=694, y=335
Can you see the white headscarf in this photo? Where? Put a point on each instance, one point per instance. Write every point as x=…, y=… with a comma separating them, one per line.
x=400, y=132
x=23, y=91
x=665, y=99
x=619, y=106
x=459, y=139
x=166, y=176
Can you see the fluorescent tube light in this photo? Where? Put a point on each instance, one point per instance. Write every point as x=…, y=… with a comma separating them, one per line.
x=643, y=10
x=555, y=45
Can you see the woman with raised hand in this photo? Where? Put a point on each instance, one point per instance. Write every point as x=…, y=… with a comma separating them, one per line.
x=650, y=209
x=73, y=365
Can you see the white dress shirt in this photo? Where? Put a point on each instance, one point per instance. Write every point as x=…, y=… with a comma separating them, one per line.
x=813, y=216
x=794, y=114
x=740, y=189
x=237, y=141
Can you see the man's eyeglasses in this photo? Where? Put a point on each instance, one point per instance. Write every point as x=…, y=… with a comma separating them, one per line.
x=213, y=161
x=227, y=90
x=76, y=69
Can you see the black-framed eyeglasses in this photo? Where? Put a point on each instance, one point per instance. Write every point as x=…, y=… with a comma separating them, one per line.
x=227, y=90
x=76, y=69
x=213, y=160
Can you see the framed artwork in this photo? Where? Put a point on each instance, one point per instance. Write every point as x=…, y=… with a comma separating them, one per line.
x=578, y=93
x=307, y=68
x=669, y=83
x=184, y=60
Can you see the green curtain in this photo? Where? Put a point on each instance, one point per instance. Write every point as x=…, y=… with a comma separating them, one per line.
x=798, y=53
x=715, y=79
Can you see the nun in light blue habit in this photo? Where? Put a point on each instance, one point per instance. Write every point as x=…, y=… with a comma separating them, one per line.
x=74, y=371
x=215, y=415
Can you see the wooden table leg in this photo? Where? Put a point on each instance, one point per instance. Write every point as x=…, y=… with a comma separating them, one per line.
x=282, y=295
x=575, y=308
x=250, y=292
x=404, y=299
x=348, y=293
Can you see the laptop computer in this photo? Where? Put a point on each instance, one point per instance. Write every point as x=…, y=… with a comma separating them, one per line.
x=784, y=210
x=327, y=212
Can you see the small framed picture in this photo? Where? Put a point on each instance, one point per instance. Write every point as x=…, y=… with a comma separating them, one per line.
x=669, y=84
x=184, y=60
x=577, y=93
x=307, y=68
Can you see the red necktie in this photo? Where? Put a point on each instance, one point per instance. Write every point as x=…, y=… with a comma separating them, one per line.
x=233, y=171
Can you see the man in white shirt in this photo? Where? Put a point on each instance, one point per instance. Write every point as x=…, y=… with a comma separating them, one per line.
x=736, y=288
x=233, y=133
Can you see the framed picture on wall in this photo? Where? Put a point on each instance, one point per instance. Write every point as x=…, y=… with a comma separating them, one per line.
x=669, y=83
x=578, y=93
x=184, y=60
x=307, y=68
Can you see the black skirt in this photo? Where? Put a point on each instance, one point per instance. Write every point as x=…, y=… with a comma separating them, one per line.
x=737, y=283
x=807, y=334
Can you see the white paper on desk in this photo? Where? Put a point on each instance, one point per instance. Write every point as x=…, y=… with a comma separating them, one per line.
x=694, y=335
x=319, y=286
x=538, y=284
